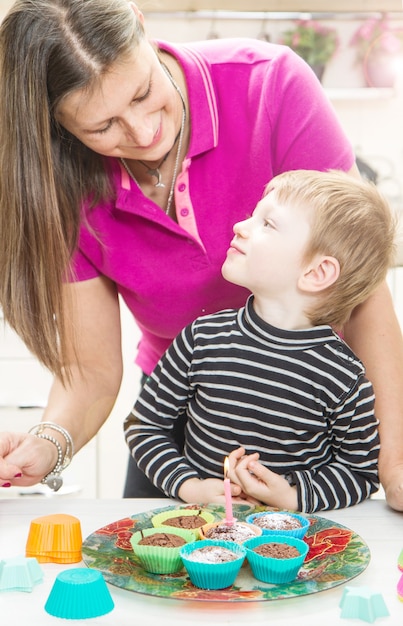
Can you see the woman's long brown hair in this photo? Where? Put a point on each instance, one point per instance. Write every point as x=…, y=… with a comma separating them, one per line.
x=48, y=49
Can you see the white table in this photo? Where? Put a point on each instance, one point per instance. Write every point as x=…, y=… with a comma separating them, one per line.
x=379, y=526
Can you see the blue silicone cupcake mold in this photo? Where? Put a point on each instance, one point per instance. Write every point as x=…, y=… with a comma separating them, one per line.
x=79, y=593
x=275, y=570
x=299, y=532
x=212, y=575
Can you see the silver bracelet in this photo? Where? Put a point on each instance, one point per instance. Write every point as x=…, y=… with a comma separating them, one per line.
x=69, y=453
x=53, y=479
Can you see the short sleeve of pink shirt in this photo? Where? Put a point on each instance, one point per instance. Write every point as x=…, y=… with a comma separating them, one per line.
x=256, y=110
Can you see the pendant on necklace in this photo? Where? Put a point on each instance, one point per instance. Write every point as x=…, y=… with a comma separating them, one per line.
x=155, y=172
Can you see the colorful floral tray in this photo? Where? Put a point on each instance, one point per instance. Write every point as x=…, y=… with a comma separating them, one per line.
x=336, y=555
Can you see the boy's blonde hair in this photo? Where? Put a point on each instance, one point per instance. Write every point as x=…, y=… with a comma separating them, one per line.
x=350, y=221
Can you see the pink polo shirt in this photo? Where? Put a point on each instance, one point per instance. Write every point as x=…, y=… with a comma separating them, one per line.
x=256, y=110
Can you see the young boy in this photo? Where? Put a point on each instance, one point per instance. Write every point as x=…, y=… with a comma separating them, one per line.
x=274, y=380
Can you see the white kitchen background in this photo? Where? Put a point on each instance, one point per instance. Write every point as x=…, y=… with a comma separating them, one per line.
x=372, y=119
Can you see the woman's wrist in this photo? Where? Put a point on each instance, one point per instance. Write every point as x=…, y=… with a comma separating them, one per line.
x=61, y=439
x=53, y=479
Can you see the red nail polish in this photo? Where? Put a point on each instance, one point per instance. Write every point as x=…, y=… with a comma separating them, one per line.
x=6, y=485
x=18, y=475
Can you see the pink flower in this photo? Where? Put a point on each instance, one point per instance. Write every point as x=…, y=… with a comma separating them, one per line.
x=365, y=31
x=296, y=38
x=377, y=35
x=390, y=43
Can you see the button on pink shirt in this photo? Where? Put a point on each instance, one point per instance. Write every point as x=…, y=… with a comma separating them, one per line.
x=256, y=110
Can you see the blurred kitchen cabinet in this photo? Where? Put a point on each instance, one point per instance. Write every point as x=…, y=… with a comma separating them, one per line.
x=99, y=469
x=303, y=6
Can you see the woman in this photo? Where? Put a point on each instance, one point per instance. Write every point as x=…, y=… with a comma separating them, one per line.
x=123, y=167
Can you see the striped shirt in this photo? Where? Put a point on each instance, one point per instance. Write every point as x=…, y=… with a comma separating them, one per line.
x=299, y=398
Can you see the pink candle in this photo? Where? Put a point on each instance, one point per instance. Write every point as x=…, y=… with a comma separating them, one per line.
x=229, y=518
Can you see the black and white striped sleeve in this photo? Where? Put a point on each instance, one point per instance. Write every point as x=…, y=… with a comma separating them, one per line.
x=351, y=474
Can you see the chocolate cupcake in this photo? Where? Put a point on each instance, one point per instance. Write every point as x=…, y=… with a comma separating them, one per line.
x=212, y=564
x=280, y=523
x=163, y=540
x=189, y=519
x=275, y=559
x=158, y=548
x=237, y=531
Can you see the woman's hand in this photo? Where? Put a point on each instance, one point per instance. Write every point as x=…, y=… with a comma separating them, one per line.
x=393, y=487
x=25, y=459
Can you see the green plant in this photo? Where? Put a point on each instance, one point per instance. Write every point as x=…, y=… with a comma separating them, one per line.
x=312, y=41
x=377, y=35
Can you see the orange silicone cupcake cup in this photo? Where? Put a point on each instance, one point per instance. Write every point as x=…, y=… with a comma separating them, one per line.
x=55, y=538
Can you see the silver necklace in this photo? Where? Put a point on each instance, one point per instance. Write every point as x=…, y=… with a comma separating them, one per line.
x=155, y=171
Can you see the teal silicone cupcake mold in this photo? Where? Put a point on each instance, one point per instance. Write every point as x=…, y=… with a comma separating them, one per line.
x=277, y=517
x=275, y=570
x=79, y=593
x=208, y=575
x=20, y=574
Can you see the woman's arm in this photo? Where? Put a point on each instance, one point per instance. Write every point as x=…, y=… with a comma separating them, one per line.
x=82, y=405
x=374, y=334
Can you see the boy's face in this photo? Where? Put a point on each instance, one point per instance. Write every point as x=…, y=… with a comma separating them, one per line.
x=265, y=256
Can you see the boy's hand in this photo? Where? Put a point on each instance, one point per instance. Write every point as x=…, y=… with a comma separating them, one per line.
x=210, y=490
x=261, y=483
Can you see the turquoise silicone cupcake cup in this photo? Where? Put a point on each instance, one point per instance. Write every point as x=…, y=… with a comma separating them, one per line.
x=79, y=593
x=298, y=533
x=20, y=574
x=213, y=575
x=160, y=559
x=272, y=570
x=362, y=603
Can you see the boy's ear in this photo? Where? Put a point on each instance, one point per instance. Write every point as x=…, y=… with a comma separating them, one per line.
x=319, y=274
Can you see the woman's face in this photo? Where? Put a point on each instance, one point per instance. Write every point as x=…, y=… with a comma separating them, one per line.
x=134, y=112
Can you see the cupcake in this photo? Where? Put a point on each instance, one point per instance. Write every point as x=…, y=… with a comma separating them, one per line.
x=275, y=559
x=189, y=519
x=212, y=564
x=280, y=523
x=237, y=531
x=158, y=548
